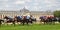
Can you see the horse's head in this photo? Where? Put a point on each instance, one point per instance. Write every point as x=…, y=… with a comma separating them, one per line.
x=15, y=16
x=41, y=17
x=6, y=17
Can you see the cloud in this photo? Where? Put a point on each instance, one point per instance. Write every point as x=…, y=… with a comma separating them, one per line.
x=35, y=5
x=50, y=1
x=20, y=2
x=6, y=5
x=28, y=0
x=3, y=0
x=27, y=7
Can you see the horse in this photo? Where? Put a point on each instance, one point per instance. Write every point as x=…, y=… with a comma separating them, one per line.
x=58, y=19
x=33, y=19
x=9, y=20
x=21, y=19
x=30, y=19
x=25, y=19
x=1, y=21
x=43, y=19
x=18, y=19
x=49, y=19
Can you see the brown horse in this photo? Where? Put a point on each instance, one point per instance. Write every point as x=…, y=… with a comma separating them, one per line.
x=9, y=20
x=49, y=19
x=1, y=21
x=24, y=20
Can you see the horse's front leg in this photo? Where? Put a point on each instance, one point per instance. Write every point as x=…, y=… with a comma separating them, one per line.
x=0, y=23
x=27, y=22
x=13, y=23
x=23, y=22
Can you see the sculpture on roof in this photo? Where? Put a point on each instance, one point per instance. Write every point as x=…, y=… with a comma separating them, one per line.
x=24, y=10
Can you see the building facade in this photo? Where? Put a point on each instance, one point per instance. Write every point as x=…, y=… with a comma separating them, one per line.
x=24, y=11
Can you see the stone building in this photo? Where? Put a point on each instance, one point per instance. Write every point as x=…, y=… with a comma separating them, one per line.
x=25, y=11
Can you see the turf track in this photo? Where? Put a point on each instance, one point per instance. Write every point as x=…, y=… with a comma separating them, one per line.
x=31, y=27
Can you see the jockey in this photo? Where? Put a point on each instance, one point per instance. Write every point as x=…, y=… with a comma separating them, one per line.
x=9, y=17
x=27, y=17
x=44, y=17
x=41, y=17
x=32, y=17
x=19, y=17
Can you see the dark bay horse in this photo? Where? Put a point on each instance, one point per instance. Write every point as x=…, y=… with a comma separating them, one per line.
x=29, y=19
x=21, y=19
x=9, y=20
x=18, y=19
x=48, y=19
x=1, y=21
x=25, y=19
x=43, y=19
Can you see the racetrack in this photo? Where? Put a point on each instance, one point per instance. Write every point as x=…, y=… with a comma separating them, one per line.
x=31, y=27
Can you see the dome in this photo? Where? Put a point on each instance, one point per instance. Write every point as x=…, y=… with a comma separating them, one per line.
x=24, y=10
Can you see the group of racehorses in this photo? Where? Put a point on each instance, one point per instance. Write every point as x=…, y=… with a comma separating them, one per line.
x=20, y=19
x=29, y=19
x=49, y=19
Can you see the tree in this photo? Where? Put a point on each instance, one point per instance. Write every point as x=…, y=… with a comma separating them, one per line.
x=57, y=13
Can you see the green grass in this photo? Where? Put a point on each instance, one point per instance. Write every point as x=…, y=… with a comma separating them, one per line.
x=30, y=27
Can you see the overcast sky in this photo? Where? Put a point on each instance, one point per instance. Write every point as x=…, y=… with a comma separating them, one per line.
x=32, y=5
